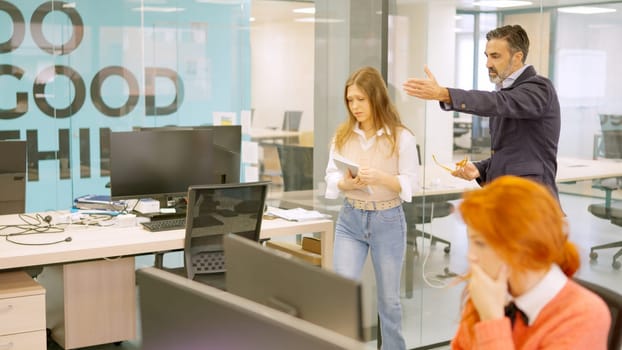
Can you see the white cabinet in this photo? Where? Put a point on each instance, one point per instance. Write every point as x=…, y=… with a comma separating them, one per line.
x=22, y=312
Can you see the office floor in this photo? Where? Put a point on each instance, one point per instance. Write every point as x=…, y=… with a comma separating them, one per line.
x=431, y=315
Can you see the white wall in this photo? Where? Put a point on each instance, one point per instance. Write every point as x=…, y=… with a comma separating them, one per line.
x=282, y=65
x=429, y=35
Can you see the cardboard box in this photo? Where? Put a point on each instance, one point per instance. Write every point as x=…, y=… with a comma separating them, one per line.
x=312, y=244
x=297, y=251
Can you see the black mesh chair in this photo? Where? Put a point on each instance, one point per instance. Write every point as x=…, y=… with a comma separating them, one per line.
x=611, y=126
x=614, y=302
x=296, y=166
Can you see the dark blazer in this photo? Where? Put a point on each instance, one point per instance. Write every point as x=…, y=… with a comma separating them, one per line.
x=524, y=127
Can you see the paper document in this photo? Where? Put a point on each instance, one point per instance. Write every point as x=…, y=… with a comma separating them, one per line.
x=344, y=164
x=296, y=214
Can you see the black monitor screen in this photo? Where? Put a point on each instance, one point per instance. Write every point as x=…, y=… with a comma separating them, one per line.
x=164, y=162
x=227, y=140
x=289, y=284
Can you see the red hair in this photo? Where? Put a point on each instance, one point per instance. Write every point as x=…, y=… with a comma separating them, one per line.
x=523, y=223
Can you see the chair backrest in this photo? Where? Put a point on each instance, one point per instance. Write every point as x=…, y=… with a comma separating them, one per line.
x=296, y=166
x=214, y=211
x=611, y=127
x=614, y=301
x=291, y=120
x=13, y=156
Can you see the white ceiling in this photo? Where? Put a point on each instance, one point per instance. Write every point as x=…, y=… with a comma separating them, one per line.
x=279, y=8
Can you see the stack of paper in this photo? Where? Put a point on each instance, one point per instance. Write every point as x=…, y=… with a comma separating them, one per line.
x=98, y=202
x=296, y=214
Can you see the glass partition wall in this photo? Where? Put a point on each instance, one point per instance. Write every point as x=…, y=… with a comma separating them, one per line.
x=72, y=72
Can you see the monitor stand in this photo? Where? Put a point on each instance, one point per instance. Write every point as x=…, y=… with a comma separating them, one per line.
x=177, y=209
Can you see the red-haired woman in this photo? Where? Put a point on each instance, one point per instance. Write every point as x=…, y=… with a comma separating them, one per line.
x=519, y=293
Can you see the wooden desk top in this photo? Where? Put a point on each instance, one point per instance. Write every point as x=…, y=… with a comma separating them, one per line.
x=94, y=242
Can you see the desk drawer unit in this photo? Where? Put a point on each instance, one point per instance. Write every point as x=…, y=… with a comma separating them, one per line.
x=22, y=312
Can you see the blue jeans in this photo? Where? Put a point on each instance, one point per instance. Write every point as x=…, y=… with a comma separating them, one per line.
x=383, y=234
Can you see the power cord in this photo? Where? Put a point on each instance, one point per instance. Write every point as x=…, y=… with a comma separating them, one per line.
x=438, y=281
x=33, y=224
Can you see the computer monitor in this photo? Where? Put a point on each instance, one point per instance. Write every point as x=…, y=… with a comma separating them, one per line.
x=164, y=163
x=227, y=148
x=177, y=313
x=286, y=283
x=13, y=157
x=214, y=211
x=291, y=120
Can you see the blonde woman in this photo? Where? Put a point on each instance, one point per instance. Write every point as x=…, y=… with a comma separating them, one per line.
x=372, y=219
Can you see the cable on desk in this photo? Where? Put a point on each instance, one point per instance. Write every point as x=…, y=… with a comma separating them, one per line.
x=33, y=224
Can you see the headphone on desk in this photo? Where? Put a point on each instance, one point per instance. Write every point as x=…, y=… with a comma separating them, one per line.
x=36, y=228
x=9, y=239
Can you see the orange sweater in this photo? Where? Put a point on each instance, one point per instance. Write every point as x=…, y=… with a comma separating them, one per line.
x=574, y=319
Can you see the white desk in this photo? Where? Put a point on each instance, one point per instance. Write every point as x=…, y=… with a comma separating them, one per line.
x=272, y=134
x=94, y=242
x=575, y=169
x=90, y=282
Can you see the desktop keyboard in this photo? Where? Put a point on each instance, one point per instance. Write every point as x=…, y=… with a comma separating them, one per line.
x=165, y=224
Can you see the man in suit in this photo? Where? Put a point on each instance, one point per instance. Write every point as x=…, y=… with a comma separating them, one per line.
x=523, y=110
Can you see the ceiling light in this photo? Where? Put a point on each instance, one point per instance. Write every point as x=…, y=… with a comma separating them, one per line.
x=318, y=20
x=220, y=2
x=585, y=10
x=307, y=10
x=158, y=9
x=501, y=3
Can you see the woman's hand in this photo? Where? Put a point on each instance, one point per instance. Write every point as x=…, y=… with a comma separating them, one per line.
x=488, y=294
x=348, y=183
x=371, y=176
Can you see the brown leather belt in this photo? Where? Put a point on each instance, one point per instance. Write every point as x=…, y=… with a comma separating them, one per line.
x=374, y=205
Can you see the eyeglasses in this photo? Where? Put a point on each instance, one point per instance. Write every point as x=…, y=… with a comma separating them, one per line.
x=459, y=165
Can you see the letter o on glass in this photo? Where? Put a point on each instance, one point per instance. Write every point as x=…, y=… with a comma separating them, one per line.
x=19, y=28
x=47, y=75
x=96, y=86
x=36, y=24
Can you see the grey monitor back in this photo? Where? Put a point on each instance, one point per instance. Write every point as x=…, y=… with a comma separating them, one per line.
x=13, y=157
x=286, y=283
x=181, y=314
x=291, y=120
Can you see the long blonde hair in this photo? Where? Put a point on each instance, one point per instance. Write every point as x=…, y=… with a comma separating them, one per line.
x=384, y=113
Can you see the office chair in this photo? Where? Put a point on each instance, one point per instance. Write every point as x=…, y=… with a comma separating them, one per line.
x=422, y=211
x=214, y=211
x=296, y=166
x=609, y=210
x=614, y=301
